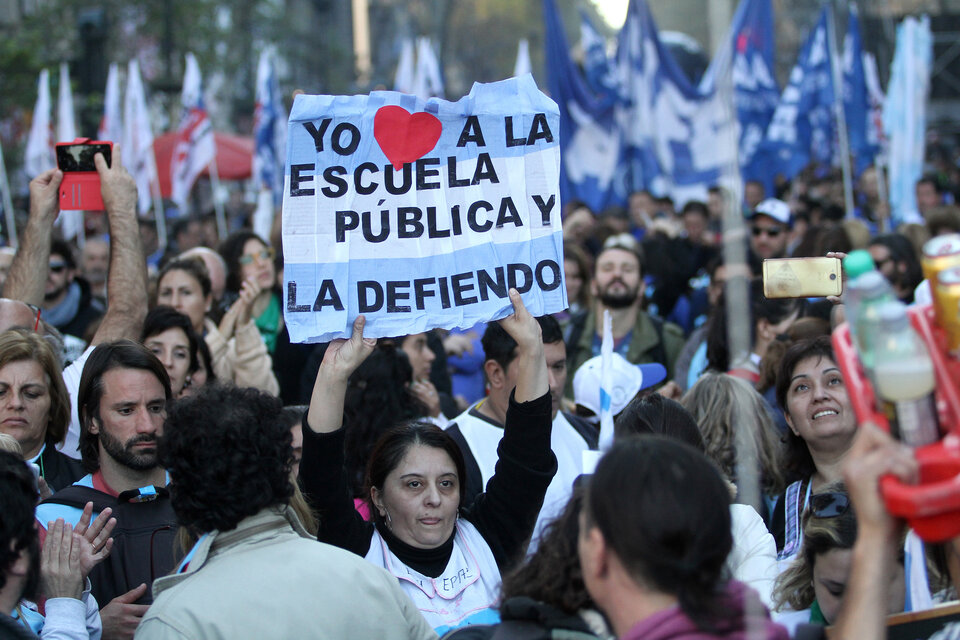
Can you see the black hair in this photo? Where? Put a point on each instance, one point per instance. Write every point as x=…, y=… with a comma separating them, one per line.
x=195, y=267
x=772, y=310
x=394, y=445
x=64, y=250
x=203, y=353
x=120, y=354
x=797, y=461
x=162, y=318
x=552, y=575
x=499, y=346
x=901, y=250
x=663, y=510
x=228, y=451
x=695, y=206
x=655, y=414
x=932, y=180
x=231, y=250
x=18, y=531
x=377, y=397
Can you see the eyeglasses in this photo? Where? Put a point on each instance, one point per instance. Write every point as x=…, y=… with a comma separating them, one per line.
x=263, y=255
x=829, y=505
x=773, y=232
x=57, y=267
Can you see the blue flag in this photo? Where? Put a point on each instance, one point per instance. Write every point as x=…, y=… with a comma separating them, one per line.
x=748, y=49
x=269, y=130
x=856, y=104
x=590, y=141
x=598, y=69
x=672, y=131
x=803, y=125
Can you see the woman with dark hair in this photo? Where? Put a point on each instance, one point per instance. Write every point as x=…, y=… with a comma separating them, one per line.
x=768, y=318
x=654, y=540
x=448, y=556
x=169, y=335
x=546, y=595
x=250, y=266
x=822, y=425
x=753, y=558
x=812, y=588
x=35, y=405
x=235, y=349
x=897, y=261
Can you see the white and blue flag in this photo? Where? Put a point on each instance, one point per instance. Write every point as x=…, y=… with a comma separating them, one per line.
x=269, y=129
x=748, y=50
x=590, y=143
x=803, y=126
x=670, y=129
x=421, y=214
x=856, y=97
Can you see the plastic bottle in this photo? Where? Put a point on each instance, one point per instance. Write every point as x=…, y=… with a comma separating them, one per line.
x=855, y=265
x=904, y=377
x=873, y=291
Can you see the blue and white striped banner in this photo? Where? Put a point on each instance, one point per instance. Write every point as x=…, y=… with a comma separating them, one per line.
x=420, y=214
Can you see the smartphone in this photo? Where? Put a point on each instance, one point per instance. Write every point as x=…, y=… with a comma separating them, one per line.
x=79, y=156
x=80, y=189
x=802, y=277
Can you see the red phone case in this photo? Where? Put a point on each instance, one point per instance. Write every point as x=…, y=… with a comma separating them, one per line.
x=80, y=190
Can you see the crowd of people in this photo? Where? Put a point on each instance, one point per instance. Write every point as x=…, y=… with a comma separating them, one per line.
x=174, y=467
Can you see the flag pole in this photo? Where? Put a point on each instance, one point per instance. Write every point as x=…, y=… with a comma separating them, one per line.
x=159, y=215
x=217, y=205
x=837, y=78
x=12, y=239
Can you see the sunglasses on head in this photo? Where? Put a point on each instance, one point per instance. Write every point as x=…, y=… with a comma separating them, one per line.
x=263, y=254
x=829, y=505
x=773, y=232
x=58, y=267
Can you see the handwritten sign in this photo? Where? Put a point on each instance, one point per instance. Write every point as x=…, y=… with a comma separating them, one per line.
x=420, y=214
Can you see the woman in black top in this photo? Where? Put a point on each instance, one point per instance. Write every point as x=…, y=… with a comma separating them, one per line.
x=447, y=558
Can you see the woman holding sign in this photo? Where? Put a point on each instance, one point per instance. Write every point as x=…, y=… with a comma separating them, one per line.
x=447, y=556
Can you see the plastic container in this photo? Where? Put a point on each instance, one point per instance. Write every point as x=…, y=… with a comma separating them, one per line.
x=931, y=507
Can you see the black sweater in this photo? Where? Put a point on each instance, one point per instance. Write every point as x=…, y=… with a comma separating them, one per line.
x=504, y=515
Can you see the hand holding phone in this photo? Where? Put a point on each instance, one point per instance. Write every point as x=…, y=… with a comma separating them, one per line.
x=802, y=278
x=80, y=188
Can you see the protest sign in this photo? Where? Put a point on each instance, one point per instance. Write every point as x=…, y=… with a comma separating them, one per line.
x=420, y=214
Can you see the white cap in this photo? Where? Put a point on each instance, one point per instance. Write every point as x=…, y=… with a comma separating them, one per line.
x=628, y=379
x=776, y=209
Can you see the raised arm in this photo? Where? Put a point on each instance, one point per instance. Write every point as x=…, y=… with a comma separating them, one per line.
x=506, y=513
x=532, y=379
x=340, y=360
x=873, y=455
x=127, y=279
x=28, y=272
x=322, y=474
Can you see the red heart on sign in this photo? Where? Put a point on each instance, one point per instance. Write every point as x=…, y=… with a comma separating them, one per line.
x=404, y=136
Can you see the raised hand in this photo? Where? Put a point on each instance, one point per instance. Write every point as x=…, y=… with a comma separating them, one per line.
x=522, y=326
x=343, y=356
x=118, y=188
x=427, y=394
x=45, y=195
x=95, y=541
x=60, y=573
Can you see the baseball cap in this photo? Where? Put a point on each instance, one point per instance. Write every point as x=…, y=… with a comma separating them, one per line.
x=628, y=379
x=776, y=209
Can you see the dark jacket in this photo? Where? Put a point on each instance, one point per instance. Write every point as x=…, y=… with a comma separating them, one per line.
x=58, y=469
x=88, y=312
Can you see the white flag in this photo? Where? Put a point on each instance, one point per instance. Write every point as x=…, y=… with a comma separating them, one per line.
x=138, y=137
x=70, y=222
x=522, y=65
x=194, y=148
x=111, y=125
x=427, y=82
x=403, y=81
x=39, y=151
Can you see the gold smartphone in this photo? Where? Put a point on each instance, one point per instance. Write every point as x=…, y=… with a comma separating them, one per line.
x=802, y=277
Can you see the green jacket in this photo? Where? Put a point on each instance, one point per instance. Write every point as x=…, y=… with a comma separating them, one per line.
x=647, y=344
